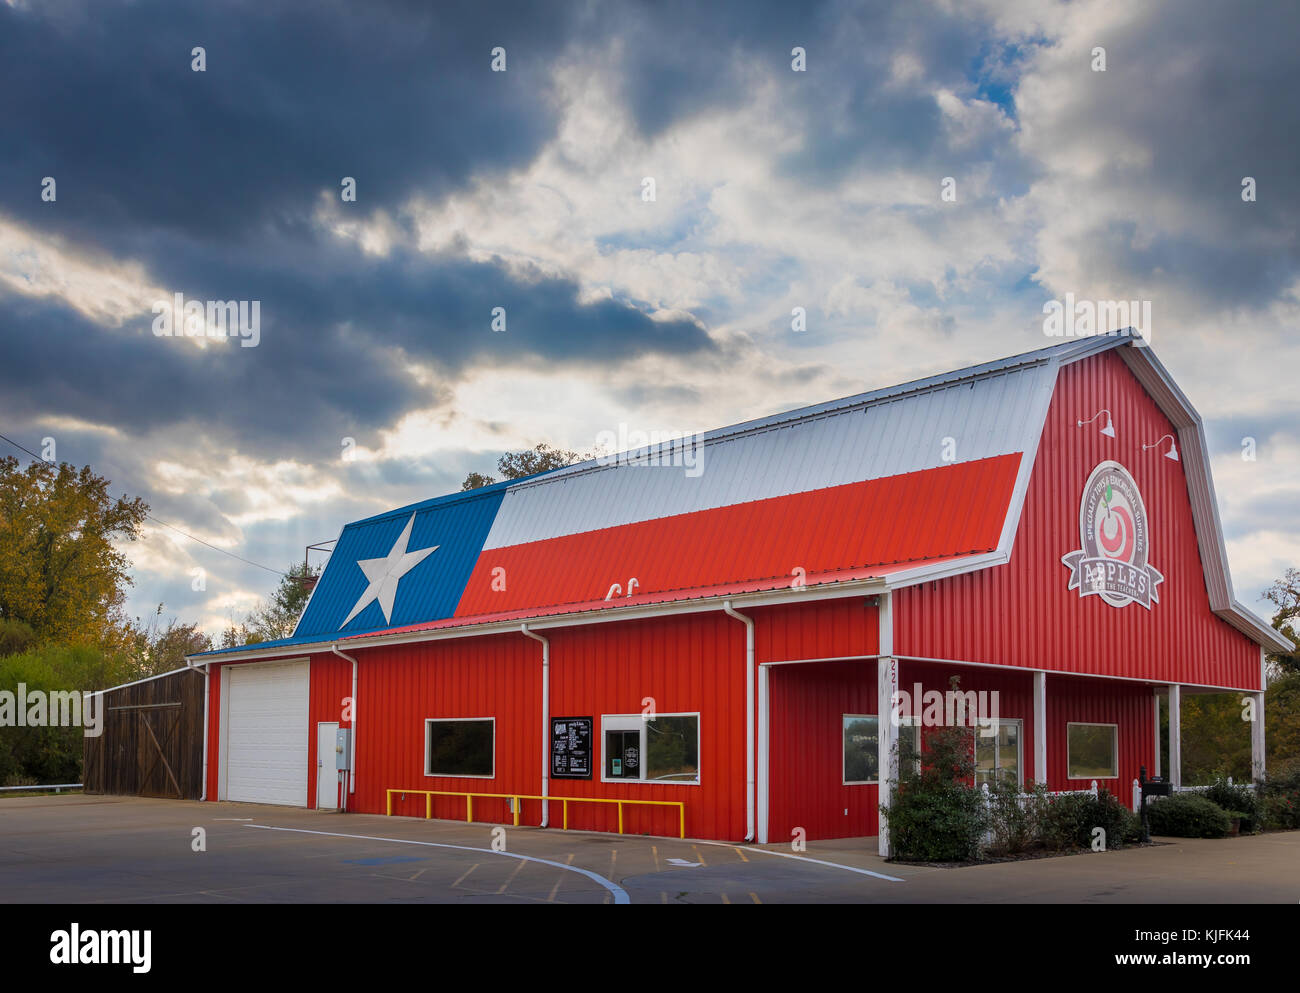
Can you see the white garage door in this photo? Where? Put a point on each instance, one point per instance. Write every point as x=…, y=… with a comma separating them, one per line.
x=266, y=734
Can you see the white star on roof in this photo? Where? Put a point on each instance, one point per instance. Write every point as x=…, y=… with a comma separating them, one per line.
x=385, y=573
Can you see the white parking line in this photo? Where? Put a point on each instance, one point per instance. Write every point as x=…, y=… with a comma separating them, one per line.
x=620, y=894
x=804, y=858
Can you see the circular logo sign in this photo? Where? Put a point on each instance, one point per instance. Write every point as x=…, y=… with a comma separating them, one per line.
x=1113, y=530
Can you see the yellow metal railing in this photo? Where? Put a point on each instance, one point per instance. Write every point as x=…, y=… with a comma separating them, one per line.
x=516, y=797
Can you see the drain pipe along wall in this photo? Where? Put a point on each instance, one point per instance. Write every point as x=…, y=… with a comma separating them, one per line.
x=352, y=773
x=546, y=718
x=749, y=716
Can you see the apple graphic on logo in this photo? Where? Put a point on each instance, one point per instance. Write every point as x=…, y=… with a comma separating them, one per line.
x=1116, y=534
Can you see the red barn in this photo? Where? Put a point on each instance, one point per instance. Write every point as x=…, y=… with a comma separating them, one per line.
x=712, y=622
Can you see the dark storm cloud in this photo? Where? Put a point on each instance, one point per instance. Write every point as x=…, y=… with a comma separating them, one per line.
x=333, y=355
x=210, y=180
x=295, y=96
x=1195, y=96
x=677, y=60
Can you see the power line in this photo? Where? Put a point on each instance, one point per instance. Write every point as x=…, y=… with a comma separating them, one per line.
x=215, y=548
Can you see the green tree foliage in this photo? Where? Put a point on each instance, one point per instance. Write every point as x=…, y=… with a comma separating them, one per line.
x=278, y=616
x=155, y=648
x=59, y=570
x=30, y=755
x=515, y=465
x=1284, y=594
x=1215, y=738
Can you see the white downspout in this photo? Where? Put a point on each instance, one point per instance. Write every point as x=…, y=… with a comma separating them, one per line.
x=546, y=719
x=207, y=685
x=749, y=716
x=352, y=762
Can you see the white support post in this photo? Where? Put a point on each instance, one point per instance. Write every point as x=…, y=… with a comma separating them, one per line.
x=887, y=754
x=1257, y=739
x=1040, y=728
x=764, y=724
x=1155, y=703
x=1175, y=735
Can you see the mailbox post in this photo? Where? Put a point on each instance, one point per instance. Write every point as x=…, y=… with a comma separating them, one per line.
x=1155, y=786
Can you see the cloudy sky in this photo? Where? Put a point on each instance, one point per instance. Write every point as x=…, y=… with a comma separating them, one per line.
x=378, y=379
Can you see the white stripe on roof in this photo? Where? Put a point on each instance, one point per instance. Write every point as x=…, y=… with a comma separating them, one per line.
x=847, y=441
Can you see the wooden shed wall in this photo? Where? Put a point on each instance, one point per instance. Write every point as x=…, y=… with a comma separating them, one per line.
x=152, y=740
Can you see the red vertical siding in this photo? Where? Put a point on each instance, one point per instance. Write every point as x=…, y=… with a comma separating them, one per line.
x=818, y=629
x=1093, y=701
x=331, y=684
x=694, y=663
x=214, y=729
x=399, y=687
x=805, y=771
x=809, y=701
x=686, y=664
x=1022, y=613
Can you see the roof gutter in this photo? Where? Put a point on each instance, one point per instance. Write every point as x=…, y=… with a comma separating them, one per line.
x=749, y=716
x=835, y=590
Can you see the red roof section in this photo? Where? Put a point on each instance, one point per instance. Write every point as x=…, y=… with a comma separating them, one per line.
x=855, y=531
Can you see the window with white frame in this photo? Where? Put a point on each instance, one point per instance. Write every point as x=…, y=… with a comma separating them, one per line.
x=909, y=745
x=1092, y=751
x=862, y=743
x=997, y=753
x=664, y=748
x=861, y=749
x=460, y=747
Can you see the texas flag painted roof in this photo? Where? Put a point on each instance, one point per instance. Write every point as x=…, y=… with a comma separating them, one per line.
x=901, y=485
x=851, y=489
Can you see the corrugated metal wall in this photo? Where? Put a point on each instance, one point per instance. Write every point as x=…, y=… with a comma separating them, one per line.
x=686, y=664
x=1107, y=701
x=331, y=684
x=809, y=702
x=819, y=629
x=399, y=687
x=806, y=750
x=1023, y=614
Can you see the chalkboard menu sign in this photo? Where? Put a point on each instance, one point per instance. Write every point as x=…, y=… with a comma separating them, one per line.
x=571, y=747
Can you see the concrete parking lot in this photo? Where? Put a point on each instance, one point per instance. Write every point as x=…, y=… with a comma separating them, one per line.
x=84, y=849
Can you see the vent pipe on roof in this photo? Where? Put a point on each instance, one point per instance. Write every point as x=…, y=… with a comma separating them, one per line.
x=749, y=716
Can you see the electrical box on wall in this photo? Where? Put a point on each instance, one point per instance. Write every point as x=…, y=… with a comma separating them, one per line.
x=343, y=748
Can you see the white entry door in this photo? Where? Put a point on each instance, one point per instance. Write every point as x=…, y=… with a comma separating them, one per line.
x=327, y=772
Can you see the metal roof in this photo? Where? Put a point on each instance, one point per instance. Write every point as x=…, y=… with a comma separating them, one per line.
x=561, y=537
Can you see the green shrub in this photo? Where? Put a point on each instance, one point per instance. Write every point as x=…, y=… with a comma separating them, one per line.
x=1065, y=820
x=1013, y=821
x=934, y=814
x=1106, y=812
x=1279, y=799
x=1238, y=801
x=1187, y=815
x=1132, y=827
